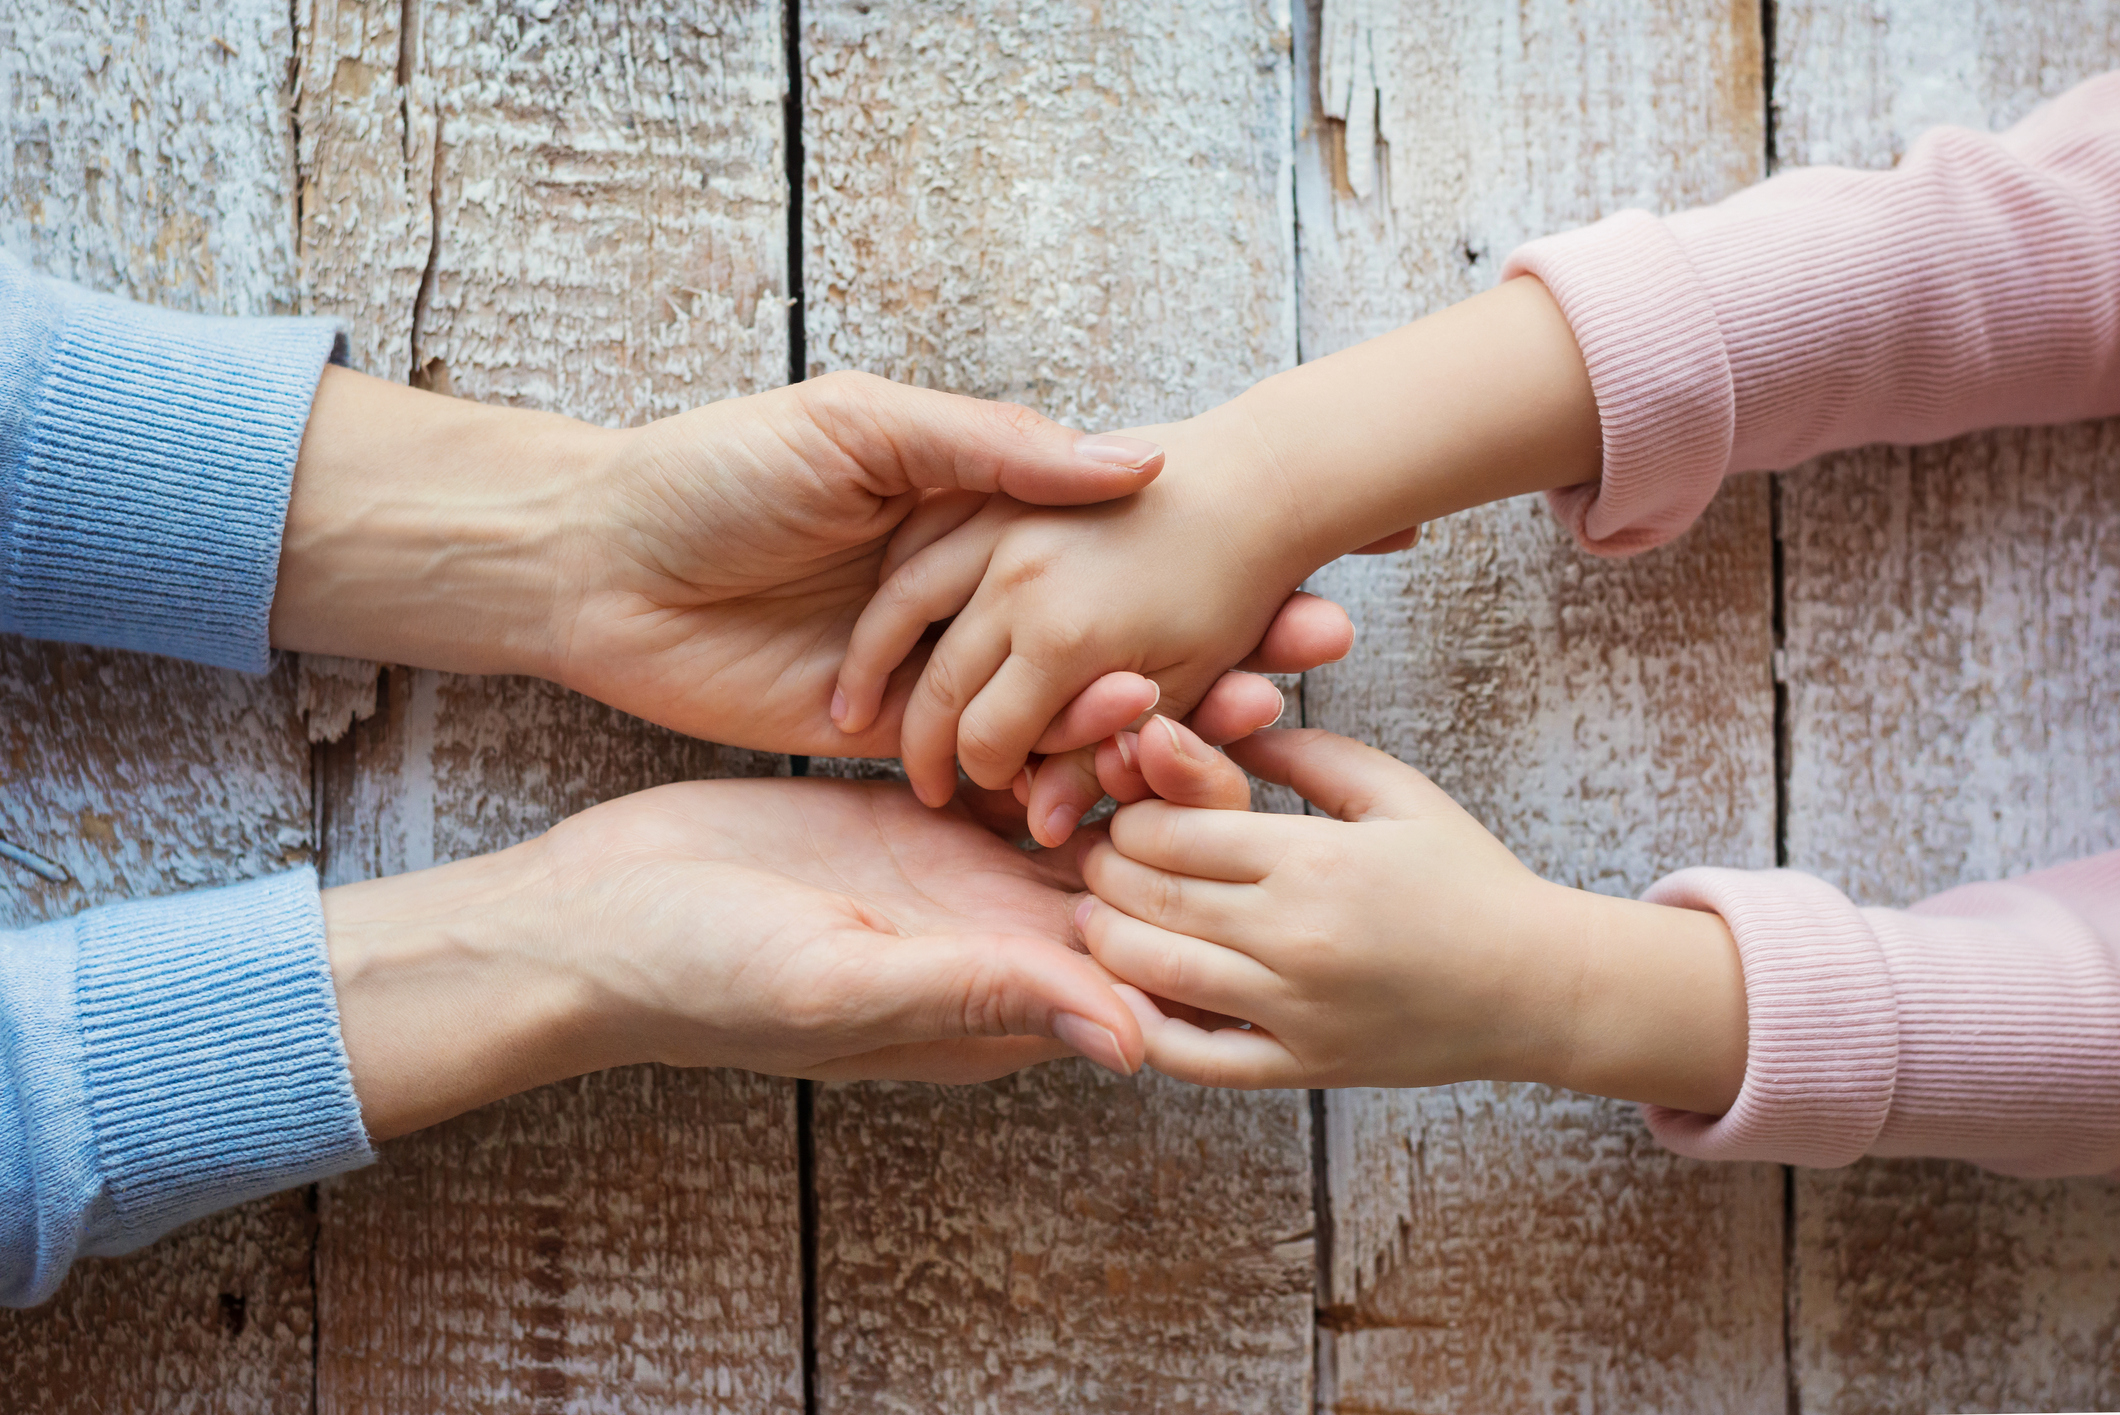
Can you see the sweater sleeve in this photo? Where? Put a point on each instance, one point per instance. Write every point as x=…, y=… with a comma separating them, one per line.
x=161, y=1060
x=1982, y=1024
x=145, y=460
x=1977, y=284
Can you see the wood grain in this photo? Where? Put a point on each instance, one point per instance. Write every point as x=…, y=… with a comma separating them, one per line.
x=608, y=239
x=148, y=153
x=1084, y=209
x=1953, y=656
x=1492, y=1247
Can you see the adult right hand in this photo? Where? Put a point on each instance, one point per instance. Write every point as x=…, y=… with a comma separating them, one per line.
x=816, y=928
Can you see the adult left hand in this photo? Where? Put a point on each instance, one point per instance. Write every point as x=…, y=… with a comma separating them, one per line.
x=704, y=571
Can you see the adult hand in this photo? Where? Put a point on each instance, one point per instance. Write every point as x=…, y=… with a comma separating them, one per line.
x=815, y=928
x=703, y=572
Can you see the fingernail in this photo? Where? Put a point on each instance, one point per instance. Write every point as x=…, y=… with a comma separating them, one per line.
x=1281, y=699
x=839, y=705
x=1128, y=742
x=1061, y=823
x=1022, y=787
x=1129, y=452
x=1177, y=738
x=1083, y=910
x=1090, y=1040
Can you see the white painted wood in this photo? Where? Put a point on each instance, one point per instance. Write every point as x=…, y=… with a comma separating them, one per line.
x=1085, y=209
x=1509, y=1248
x=1953, y=636
x=580, y=208
x=147, y=153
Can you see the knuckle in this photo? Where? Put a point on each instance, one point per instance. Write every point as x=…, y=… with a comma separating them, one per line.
x=1018, y=419
x=979, y=739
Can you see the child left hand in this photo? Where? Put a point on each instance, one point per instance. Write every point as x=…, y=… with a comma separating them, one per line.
x=1396, y=944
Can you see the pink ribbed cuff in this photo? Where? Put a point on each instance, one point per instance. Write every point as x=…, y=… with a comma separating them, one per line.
x=2009, y=1046
x=1647, y=329
x=1823, y=1052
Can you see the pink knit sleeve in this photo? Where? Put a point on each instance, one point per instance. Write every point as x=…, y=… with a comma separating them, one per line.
x=1982, y=1024
x=1977, y=284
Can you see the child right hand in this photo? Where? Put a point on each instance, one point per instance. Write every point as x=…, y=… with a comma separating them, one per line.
x=1397, y=943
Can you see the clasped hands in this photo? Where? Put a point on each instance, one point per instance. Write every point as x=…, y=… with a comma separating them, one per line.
x=851, y=567
x=706, y=572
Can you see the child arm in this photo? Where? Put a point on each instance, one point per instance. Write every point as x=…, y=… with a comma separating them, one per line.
x=1760, y=1015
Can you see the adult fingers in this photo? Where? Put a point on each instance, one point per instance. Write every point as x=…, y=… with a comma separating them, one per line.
x=933, y=585
x=1306, y=631
x=907, y=437
x=1238, y=705
x=1062, y=789
x=1174, y=965
x=1340, y=776
x=1114, y=701
x=942, y=987
x=1397, y=540
x=1179, y=767
x=1218, y=911
x=963, y=660
x=1239, y=1058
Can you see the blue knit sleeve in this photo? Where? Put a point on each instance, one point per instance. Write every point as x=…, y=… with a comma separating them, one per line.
x=145, y=459
x=161, y=1060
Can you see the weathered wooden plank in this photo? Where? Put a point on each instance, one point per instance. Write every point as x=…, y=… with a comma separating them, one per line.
x=147, y=153
x=1084, y=209
x=1494, y=1247
x=1953, y=663
x=608, y=240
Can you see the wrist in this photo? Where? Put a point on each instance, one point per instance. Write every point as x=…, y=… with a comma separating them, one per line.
x=1650, y=1005
x=431, y=531
x=453, y=991
x=1484, y=400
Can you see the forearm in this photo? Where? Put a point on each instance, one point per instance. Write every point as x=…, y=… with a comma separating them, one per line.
x=1649, y=1004
x=1484, y=400
x=428, y=530
x=452, y=993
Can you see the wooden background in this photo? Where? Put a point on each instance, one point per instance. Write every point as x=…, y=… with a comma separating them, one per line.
x=1897, y=668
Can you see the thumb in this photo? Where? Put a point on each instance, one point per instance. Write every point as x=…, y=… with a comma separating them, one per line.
x=947, y=986
x=1181, y=768
x=913, y=438
x=1339, y=775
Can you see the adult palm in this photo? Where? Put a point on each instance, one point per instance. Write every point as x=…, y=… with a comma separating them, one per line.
x=828, y=929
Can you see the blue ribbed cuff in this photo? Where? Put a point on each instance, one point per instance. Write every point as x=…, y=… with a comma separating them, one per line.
x=152, y=490
x=210, y=1037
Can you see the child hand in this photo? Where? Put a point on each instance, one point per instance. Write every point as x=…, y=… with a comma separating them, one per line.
x=1178, y=583
x=1396, y=944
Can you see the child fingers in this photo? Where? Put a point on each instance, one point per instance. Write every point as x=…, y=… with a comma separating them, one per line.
x=1114, y=701
x=935, y=584
x=1174, y=965
x=1240, y=847
x=1182, y=768
x=1223, y=911
x=1238, y=705
x=1062, y=790
x=1008, y=714
x=1339, y=775
x=1119, y=768
x=962, y=662
x=934, y=516
x=1239, y=1058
